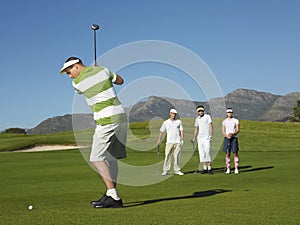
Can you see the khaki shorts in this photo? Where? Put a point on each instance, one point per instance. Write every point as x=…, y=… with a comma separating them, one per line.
x=109, y=142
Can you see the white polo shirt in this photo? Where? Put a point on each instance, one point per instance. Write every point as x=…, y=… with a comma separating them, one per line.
x=203, y=124
x=173, y=129
x=230, y=125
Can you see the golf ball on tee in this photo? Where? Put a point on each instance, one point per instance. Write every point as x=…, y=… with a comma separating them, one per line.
x=30, y=207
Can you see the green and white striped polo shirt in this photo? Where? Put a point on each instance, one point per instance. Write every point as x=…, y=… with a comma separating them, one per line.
x=96, y=84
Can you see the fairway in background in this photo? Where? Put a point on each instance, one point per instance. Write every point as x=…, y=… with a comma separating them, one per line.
x=61, y=184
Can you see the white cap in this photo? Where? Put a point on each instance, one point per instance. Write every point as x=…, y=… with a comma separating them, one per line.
x=173, y=111
x=68, y=64
x=229, y=110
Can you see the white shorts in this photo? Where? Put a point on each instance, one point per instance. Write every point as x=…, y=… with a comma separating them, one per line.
x=109, y=142
x=204, y=150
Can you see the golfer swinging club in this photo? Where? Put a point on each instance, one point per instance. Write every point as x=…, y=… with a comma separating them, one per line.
x=109, y=140
x=174, y=143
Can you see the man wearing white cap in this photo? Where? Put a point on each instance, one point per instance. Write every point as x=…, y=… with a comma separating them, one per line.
x=109, y=140
x=174, y=143
x=230, y=129
x=203, y=131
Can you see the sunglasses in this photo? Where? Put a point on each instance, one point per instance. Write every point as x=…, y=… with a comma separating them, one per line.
x=69, y=72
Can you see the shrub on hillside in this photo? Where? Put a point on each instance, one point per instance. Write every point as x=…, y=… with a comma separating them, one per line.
x=14, y=130
x=296, y=114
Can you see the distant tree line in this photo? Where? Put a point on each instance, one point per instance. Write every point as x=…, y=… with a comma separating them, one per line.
x=14, y=131
x=296, y=114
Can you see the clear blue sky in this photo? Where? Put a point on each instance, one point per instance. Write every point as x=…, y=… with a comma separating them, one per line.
x=247, y=44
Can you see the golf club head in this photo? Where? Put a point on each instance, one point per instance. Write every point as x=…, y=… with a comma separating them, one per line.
x=95, y=27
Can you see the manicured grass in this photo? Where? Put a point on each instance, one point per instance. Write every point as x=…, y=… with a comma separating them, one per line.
x=61, y=184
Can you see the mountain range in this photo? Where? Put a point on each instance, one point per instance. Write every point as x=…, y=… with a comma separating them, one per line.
x=246, y=104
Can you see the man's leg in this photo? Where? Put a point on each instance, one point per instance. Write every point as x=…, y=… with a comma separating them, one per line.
x=235, y=149
x=114, y=171
x=236, y=162
x=201, y=156
x=177, y=154
x=104, y=171
x=168, y=155
x=226, y=149
x=108, y=170
x=227, y=161
x=207, y=156
x=106, y=164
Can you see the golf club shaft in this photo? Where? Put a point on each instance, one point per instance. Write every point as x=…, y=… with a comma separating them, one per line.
x=95, y=49
x=95, y=27
x=194, y=150
x=157, y=159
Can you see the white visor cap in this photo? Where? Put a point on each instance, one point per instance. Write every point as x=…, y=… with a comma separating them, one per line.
x=173, y=111
x=68, y=64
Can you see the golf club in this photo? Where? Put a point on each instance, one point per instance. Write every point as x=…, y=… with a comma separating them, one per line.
x=195, y=166
x=95, y=27
x=157, y=159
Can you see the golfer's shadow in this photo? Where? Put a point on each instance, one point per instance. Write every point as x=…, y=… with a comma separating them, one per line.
x=242, y=169
x=199, y=194
x=257, y=169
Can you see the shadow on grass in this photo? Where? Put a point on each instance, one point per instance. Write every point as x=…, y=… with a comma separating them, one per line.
x=242, y=169
x=257, y=169
x=199, y=194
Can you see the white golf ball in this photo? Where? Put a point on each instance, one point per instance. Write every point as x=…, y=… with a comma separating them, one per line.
x=30, y=207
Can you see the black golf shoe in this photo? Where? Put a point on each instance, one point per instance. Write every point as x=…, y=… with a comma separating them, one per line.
x=109, y=202
x=99, y=201
x=210, y=172
x=203, y=171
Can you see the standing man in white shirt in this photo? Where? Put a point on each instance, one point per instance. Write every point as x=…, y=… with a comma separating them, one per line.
x=203, y=131
x=230, y=129
x=174, y=143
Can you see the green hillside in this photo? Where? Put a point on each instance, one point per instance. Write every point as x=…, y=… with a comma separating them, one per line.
x=60, y=184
